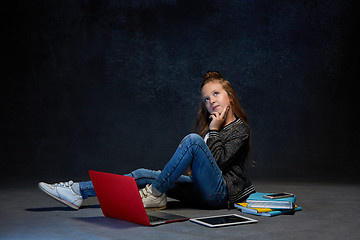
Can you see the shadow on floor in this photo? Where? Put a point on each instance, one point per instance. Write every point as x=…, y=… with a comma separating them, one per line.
x=63, y=209
x=108, y=222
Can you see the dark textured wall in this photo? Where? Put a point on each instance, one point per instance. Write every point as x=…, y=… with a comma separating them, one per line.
x=114, y=85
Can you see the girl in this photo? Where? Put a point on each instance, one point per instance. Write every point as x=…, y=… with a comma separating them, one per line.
x=215, y=156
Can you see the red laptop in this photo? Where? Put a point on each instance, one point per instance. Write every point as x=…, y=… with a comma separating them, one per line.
x=119, y=198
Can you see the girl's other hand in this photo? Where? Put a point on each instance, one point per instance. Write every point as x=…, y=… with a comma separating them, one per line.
x=218, y=119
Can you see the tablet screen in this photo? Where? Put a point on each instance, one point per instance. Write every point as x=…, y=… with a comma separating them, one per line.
x=223, y=220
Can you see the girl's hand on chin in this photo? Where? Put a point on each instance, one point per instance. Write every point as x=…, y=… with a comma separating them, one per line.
x=218, y=119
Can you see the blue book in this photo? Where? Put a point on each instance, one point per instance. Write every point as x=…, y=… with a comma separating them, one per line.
x=267, y=214
x=256, y=200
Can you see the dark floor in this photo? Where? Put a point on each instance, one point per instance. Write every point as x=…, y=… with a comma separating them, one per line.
x=329, y=212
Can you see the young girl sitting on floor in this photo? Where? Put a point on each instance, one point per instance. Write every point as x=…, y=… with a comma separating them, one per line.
x=216, y=157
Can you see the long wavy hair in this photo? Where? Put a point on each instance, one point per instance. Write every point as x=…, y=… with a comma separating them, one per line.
x=203, y=120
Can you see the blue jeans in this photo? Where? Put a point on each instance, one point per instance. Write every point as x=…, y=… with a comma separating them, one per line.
x=206, y=187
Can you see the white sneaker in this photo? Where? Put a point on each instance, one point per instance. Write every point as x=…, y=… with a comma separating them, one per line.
x=63, y=192
x=151, y=201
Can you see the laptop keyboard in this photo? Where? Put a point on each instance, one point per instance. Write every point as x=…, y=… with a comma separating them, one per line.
x=156, y=219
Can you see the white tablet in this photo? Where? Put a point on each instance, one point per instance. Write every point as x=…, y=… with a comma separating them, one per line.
x=223, y=220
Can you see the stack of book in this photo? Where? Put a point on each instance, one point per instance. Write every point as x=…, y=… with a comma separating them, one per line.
x=256, y=204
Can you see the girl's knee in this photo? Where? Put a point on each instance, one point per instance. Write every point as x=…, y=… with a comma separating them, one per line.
x=194, y=138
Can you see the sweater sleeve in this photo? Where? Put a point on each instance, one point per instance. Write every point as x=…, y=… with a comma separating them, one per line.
x=224, y=151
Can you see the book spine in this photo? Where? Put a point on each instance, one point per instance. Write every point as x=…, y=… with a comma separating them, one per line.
x=272, y=205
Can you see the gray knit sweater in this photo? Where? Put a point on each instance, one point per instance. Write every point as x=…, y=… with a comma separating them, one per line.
x=230, y=146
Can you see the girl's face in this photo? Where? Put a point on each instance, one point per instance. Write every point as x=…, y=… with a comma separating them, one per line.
x=215, y=98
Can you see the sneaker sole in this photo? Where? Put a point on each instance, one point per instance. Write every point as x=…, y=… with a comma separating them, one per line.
x=69, y=204
x=156, y=208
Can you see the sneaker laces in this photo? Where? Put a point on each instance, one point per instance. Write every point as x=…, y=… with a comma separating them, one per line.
x=64, y=184
x=145, y=191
